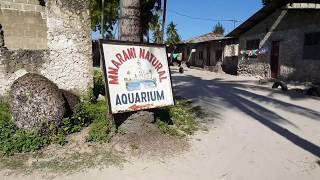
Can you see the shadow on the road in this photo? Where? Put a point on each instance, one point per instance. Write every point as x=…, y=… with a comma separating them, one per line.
x=215, y=93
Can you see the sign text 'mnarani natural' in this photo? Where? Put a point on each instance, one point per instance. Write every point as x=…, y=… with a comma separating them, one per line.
x=129, y=54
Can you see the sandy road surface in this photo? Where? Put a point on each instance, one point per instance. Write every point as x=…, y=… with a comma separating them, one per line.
x=258, y=134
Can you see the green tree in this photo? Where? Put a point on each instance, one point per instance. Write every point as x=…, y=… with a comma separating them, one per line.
x=110, y=15
x=150, y=10
x=155, y=27
x=218, y=29
x=172, y=34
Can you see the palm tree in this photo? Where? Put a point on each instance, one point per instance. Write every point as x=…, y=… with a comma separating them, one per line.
x=149, y=14
x=130, y=22
x=108, y=17
x=172, y=34
x=155, y=28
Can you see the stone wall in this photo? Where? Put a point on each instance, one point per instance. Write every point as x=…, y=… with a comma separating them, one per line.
x=24, y=24
x=67, y=61
x=16, y=63
x=69, y=42
x=290, y=31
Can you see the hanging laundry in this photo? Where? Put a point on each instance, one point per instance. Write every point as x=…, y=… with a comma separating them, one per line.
x=249, y=54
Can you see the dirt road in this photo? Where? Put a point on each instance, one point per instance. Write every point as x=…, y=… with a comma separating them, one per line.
x=258, y=134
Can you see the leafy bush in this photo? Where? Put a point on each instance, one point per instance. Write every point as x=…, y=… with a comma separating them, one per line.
x=99, y=129
x=178, y=120
x=13, y=139
x=86, y=114
x=98, y=84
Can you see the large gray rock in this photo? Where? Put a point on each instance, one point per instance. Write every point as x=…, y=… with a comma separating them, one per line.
x=36, y=102
x=136, y=123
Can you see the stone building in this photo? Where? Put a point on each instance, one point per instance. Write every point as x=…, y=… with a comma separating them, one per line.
x=24, y=24
x=51, y=39
x=282, y=40
x=208, y=51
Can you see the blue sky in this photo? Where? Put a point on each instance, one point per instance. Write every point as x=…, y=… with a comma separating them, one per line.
x=213, y=9
x=239, y=10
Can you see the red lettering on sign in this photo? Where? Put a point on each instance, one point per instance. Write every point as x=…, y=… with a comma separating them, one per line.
x=128, y=54
x=142, y=52
x=161, y=76
x=131, y=53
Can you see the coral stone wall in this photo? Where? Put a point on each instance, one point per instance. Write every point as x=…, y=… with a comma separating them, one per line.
x=24, y=24
x=69, y=41
x=67, y=61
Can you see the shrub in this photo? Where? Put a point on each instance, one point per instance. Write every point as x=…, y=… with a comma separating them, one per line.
x=99, y=129
x=87, y=113
x=13, y=139
x=98, y=84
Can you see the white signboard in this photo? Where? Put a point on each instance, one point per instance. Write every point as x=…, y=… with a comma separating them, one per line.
x=137, y=76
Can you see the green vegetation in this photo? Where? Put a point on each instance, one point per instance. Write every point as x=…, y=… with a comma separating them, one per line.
x=98, y=84
x=218, y=29
x=173, y=36
x=14, y=140
x=110, y=15
x=148, y=8
x=99, y=129
x=178, y=120
x=87, y=113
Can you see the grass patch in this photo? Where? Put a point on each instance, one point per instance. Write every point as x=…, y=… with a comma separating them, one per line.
x=178, y=120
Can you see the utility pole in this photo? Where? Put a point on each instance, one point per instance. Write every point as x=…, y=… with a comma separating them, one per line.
x=234, y=22
x=102, y=20
x=164, y=20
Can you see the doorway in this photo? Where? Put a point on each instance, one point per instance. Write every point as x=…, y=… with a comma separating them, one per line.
x=208, y=56
x=274, y=61
x=218, y=56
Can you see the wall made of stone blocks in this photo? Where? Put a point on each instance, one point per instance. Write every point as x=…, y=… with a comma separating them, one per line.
x=24, y=24
x=67, y=61
x=69, y=42
x=16, y=63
